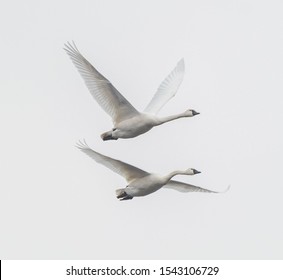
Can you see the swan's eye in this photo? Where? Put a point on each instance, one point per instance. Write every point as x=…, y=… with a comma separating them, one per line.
x=114, y=129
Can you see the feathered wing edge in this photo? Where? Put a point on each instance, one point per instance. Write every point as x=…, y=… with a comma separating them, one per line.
x=184, y=187
x=129, y=172
x=167, y=89
x=102, y=90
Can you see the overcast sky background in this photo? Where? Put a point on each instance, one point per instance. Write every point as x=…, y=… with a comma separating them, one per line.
x=55, y=202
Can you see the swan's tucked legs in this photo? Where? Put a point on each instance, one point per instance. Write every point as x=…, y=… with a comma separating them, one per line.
x=122, y=195
x=108, y=136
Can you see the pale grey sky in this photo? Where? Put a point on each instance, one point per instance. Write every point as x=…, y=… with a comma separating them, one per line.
x=57, y=203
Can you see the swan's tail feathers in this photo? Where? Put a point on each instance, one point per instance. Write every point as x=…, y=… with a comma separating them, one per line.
x=122, y=195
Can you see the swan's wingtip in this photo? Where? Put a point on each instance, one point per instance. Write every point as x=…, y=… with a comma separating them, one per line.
x=227, y=189
x=181, y=65
x=67, y=45
x=181, y=62
x=224, y=191
x=82, y=145
x=70, y=47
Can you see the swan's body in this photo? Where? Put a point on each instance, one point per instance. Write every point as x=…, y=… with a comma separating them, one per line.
x=132, y=127
x=139, y=124
x=128, y=122
x=140, y=182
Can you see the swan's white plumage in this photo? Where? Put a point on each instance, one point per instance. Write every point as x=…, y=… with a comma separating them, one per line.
x=127, y=171
x=128, y=122
x=107, y=96
x=184, y=187
x=140, y=182
x=167, y=89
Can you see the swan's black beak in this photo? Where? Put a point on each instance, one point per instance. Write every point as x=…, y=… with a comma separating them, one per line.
x=195, y=113
x=196, y=171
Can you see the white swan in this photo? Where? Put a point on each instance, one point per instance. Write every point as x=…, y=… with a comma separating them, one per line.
x=128, y=122
x=140, y=182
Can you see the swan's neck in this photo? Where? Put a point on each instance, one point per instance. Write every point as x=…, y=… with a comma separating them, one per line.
x=161, y=120
x=174, y=173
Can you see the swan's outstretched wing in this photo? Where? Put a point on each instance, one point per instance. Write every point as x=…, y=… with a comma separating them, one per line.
x=167, y=89
x=128, y=171
x=184, y=187
x=107, y=96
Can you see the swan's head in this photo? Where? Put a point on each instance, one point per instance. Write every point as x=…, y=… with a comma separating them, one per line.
x=192, y=171
x=191, y=113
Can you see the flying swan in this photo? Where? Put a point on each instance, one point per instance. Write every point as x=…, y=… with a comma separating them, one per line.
x=140, y=182
x=128, y=122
